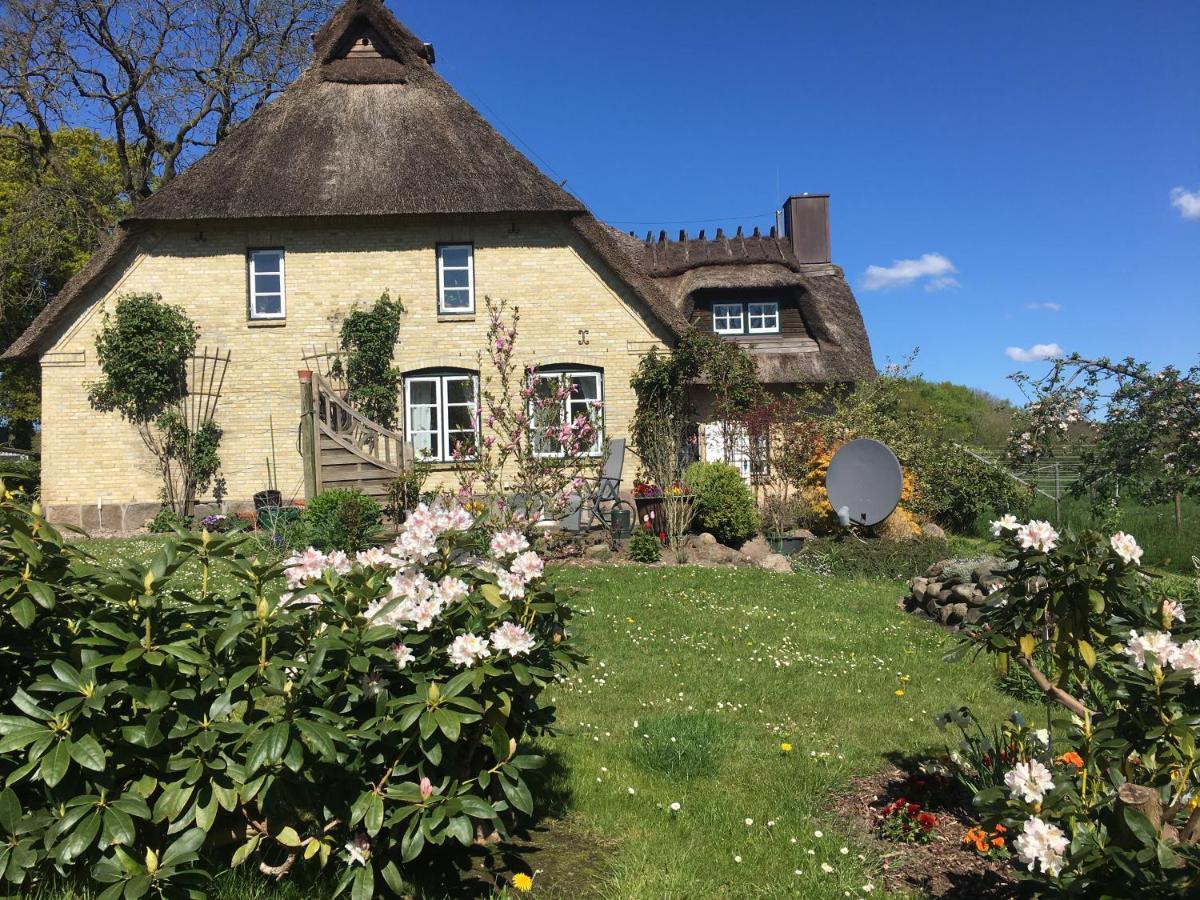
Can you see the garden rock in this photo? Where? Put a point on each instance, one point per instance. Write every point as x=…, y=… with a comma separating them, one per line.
x=704, y=538
x=598, y=551
x=955, y=591
x=930, y=530
x=756, y=549
x=776, y=562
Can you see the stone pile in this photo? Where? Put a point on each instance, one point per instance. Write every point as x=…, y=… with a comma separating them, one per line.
x=953, y=591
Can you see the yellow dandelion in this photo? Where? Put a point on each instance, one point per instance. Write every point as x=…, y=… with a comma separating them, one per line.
x=785, y=747
x=899, y=693
x=522, y=882
x=905, y=679
x=629, y=619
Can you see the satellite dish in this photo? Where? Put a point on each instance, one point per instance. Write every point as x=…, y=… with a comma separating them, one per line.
x=864, y=482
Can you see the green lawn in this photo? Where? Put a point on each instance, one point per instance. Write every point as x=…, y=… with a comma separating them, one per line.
x=696, y=678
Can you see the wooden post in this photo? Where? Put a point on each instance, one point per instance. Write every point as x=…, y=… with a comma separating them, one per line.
x=1178, y=512
x=308, y=433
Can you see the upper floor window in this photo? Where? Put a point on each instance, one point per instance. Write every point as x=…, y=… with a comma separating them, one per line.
x=727, y=318
x=764, y=317
x=456, y=278
x=584, y=397
x=266, y=284
x=746, y=318
x=441, y=415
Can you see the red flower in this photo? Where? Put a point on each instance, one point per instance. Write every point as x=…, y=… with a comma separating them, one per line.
x=914, y=808
x=928, y=821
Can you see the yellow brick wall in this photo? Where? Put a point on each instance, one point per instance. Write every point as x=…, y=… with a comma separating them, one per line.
x=539, y=265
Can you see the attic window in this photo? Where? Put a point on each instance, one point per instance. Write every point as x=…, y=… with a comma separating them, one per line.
x=365, y=46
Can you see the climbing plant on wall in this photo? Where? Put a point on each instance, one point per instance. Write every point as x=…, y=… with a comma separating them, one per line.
x=368, y=340
x=152, y=378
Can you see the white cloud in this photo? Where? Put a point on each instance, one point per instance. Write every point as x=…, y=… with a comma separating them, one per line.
x=1187, y=202
x=1036, y=353
x=905, y=271
x=1049, y=307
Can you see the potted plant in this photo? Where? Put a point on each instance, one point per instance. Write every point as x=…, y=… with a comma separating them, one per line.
x=779, y=514
x=648, y=498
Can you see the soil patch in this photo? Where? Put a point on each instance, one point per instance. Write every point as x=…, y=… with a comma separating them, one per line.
x=943, y=868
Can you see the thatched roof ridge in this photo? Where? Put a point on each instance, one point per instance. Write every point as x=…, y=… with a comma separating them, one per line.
x=117, y=246
x=355, y=137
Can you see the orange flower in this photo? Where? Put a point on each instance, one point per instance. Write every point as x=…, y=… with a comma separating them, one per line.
x=1000, y=829
x=1070, y=758
x=997, y=841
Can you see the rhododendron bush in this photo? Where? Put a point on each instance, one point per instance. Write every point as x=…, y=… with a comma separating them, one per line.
x=337, y=711
x=1108, y=801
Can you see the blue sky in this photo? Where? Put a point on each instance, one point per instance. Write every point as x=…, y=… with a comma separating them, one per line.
x=1033, y=147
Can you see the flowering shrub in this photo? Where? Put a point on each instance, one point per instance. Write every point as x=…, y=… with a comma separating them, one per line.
x=1116, y=810
x=354, y=713
x=904, y=821
x=531, y=448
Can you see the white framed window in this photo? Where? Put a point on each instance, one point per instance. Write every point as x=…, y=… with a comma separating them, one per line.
x=266, y=284
x=763, y=317
x=456, y=278
x=441, y=415
x=585, y=398
x=728, y=318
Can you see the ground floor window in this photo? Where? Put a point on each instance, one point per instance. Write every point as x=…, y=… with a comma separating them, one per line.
x=441, y=414
x=584, y=398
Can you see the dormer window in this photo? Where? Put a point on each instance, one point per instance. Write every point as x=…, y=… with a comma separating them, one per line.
x=456, y=279
x=728, y=318
x=746, y=318
x=763, y=317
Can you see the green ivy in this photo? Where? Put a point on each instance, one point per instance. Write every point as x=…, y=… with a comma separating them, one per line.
x=368, y=341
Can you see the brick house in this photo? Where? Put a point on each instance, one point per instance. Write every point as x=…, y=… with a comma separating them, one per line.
x=370, y=173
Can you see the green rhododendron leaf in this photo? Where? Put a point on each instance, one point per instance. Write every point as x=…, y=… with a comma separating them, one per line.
x=55, y=763
x=87, y=752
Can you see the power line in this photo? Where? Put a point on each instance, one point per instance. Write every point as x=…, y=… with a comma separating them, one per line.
x=691, y=221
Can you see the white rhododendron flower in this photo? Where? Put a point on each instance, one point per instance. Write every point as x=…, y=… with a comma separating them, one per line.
x=529, y=566
x=450, y=590
x=1155, y=644
x=1005, y=523
x=468, y=649
x=374, y=558
x=508, y=543
x=1187, y=658
x=301, y=568
x=1043, y=845
x=403, y=655
x=1173, y=611
x=512, y=637
x=512, y=585
x=1029, y=780
x=338, y=561
x=1037, y=535
x=1126, y=547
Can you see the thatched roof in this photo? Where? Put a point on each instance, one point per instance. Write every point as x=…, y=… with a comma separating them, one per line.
x=369, y=129
x=680, y=268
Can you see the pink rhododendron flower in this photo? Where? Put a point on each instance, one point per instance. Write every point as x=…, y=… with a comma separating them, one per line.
x=528, y=565
x=468, y=649
x=512, y=637
x=1037, y=535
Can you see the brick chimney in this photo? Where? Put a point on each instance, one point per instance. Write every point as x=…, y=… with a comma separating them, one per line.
x=806, y=224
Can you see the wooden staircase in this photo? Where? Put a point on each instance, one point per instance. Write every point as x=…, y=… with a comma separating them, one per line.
x=342, y=448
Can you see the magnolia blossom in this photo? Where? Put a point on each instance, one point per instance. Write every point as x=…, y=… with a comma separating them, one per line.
x=403, y=655
x=512, y=637
x=1030, y=780
x=1037, y=535
x=1005, y=523
x=511, y=584
x=1126, y=547
x=529, y=566
x=1156, y=644
x=1043, y=845
x=508, y=543
x=468, y=649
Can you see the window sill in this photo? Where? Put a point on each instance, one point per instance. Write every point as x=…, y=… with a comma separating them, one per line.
x=266, y=323
x=456, y=317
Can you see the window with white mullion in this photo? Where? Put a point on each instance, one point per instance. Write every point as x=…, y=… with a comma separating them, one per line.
x=456, y=278
x=586, y=398
x=266, y=284
x=728, y=318
x=763, y=318
x=441, y=416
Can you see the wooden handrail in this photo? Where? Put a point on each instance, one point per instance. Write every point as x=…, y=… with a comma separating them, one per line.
x=353, y=431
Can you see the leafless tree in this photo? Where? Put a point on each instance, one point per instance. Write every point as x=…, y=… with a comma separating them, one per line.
x=163, y=79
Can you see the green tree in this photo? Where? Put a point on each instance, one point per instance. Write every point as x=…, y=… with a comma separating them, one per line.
x=53, y=211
